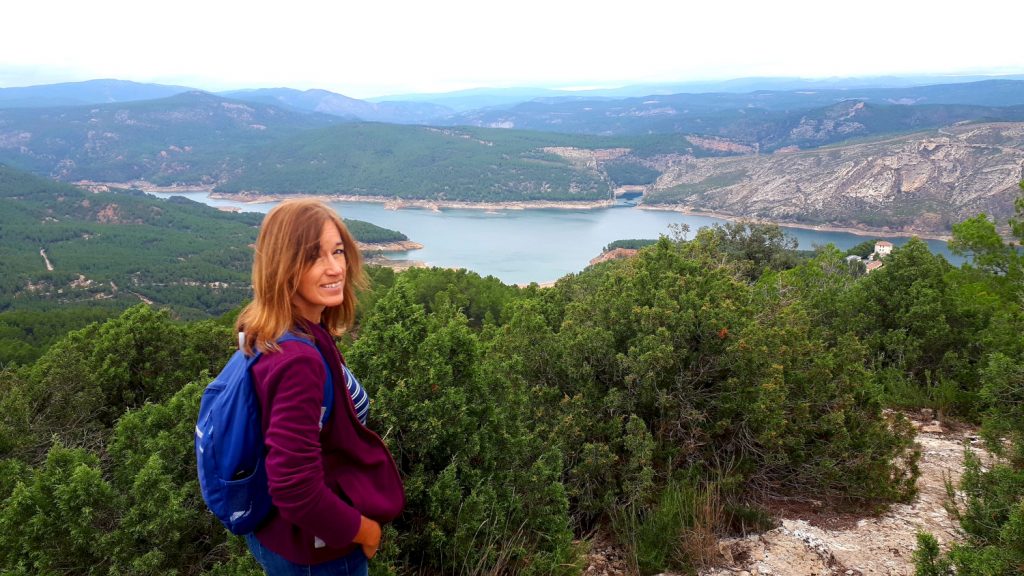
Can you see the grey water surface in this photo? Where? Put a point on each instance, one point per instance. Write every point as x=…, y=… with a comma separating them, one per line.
x=522, y=246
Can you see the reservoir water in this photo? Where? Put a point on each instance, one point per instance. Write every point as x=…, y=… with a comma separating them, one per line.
x=522, y=246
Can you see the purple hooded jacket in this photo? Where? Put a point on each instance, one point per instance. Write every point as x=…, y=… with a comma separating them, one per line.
x=321, y=482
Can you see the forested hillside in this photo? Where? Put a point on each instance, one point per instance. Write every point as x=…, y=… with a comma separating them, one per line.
x=899, y=159
x=191, y=137
x=198, y=138
x=69, y=257
x=417, y=162
x=663, y=399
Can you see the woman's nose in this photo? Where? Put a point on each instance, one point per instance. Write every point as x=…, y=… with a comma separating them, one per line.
x=336, y=266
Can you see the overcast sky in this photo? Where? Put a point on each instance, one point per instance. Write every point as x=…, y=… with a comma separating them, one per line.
x=379, y=47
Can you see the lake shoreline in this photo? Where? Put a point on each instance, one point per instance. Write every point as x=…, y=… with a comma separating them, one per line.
x=392, y=246
x=417, y=204
x=438, y=205
x=521, y=246
x=858, y=231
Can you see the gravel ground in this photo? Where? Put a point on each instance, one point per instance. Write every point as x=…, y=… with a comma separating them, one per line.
x=816, y=544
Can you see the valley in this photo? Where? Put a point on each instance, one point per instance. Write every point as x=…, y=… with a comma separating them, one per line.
x=714, y=394
x=908, y=160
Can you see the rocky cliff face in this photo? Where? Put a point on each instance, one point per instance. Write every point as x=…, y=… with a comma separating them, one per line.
x=921, y=183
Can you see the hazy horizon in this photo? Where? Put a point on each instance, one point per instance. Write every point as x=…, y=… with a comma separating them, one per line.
x=952, y=77
x=393, y=47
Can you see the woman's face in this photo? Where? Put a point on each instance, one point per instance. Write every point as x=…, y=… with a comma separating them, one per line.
x=323, y=284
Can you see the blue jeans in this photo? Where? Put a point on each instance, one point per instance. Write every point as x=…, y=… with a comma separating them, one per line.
x=354, y=564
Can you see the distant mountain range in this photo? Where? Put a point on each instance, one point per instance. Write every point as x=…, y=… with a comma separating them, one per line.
x=283, y=141
x=85, y=93
x=753, y=117
x=188, y=137
x=321, y=101
x=483, y=106
x=350, y=108
x=465, y=100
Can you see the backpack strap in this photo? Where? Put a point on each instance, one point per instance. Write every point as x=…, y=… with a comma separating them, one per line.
x=328, y=406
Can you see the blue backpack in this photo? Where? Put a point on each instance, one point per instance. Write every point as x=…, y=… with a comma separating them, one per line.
x=229, y=443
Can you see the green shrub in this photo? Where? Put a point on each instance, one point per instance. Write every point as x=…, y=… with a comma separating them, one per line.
x=673, y=360
x=79, y=388
x=59, y=518
x=483, y=490
x=678, y=531
x=928, y=558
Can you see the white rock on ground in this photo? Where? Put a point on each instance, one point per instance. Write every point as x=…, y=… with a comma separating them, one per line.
x=873, y=545
x=881, y=545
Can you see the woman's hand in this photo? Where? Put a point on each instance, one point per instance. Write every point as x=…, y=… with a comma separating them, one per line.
x=368, y=536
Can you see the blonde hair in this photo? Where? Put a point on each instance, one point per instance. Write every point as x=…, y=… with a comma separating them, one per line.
x=287, y=246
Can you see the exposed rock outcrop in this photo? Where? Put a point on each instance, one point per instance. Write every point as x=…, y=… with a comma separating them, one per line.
x=873, y=545
x=585, y=158
x=824, y=543
x=920, y=183
x=402, y=246
x=614, y=255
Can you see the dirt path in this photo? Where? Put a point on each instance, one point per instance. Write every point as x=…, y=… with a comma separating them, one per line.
x=42, y=252
x=143, y=298
x=881, y=545
x=840, y=546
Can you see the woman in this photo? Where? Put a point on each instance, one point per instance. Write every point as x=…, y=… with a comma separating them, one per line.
x=331, y=487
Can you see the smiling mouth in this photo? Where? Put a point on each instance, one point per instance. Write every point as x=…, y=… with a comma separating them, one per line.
x=331, y=286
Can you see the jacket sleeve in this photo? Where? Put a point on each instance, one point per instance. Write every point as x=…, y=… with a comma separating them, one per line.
x=294, y=385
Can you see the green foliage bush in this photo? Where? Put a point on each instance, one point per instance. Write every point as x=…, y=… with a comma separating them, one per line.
x=481, y=299
x=483, y=490
x=163, y=525
x=58, y=520
x=928, y=558
x=676, y=341
x=83, y=384
x=655, y=394
x=750, y=248
x=676, y=531
x=990, y=501
x=106, y=419
x=140, y=514
x=923, y=322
